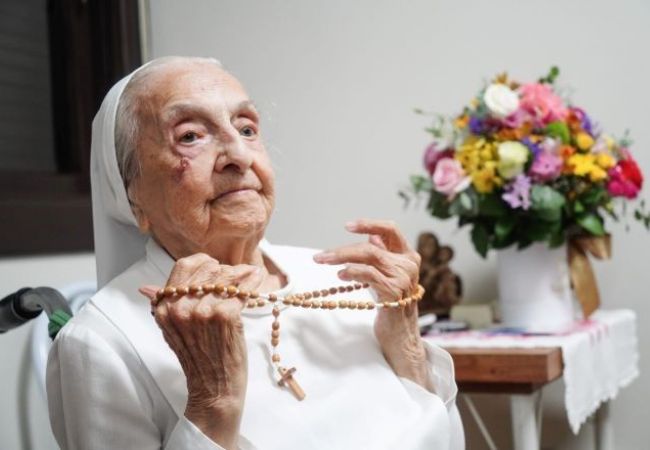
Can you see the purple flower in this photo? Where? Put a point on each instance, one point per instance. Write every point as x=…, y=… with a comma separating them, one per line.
x=476, y=125
x=547, y=166
x=534, y=148
x=517, y=193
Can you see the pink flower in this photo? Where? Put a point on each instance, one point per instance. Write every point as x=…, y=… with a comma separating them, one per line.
x=546, y=167
x=449, y=177
x=542, y=103
x=625, y=179
x=433, y=154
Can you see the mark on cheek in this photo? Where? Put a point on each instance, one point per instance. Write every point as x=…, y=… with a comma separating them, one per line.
x=183, y=164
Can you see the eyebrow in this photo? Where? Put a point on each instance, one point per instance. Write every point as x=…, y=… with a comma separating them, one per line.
x=180, y=109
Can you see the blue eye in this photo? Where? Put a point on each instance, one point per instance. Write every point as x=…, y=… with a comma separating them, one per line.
x=189, y=137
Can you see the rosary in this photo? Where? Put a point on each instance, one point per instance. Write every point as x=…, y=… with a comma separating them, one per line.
x=319, y=299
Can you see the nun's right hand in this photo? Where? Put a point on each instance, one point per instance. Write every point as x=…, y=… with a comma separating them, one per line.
x=207, y=335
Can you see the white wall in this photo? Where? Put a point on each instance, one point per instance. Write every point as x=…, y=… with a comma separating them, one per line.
x=337, y=81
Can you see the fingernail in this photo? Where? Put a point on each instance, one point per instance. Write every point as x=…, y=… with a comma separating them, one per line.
x=351, y=226
x=323, y=257
x=343, y=275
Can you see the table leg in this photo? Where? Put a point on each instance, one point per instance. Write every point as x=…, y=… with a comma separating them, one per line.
x=525, y=432
x=603, y=428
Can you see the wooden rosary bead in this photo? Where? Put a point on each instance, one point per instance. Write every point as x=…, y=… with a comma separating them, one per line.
x=273, y=298
x=307, y=295
x=324, y=292
x=275, y=325
x=261, y=303
x=182, y=290
x=275, y=342
x=315, y=294
x=208, y=288
x=342, y=289
x=333, y=290
x=170, y=291
x=193, y=289
x=343, y=304
x=254, y=294
x=243, y=295
x=276, y=312
x=275, y=358
x=232, y=291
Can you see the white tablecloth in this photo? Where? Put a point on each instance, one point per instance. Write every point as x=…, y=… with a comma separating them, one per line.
x=600, y=356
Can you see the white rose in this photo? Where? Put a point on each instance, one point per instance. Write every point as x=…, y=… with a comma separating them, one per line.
x=501, y=100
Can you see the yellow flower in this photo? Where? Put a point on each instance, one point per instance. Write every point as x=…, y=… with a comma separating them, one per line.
x=605, y=160
x=585, y=166
x=486, y=179
x=475, y=152
x=584, y=141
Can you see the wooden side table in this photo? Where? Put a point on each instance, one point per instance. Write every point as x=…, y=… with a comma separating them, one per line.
x=520, y=373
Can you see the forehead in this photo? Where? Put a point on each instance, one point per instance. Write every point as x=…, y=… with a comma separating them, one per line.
x=177, y=89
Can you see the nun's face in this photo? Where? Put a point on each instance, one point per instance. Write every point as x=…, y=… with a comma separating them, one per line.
x=206, y=177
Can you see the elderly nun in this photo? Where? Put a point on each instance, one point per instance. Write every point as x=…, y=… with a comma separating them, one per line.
x=203, y=335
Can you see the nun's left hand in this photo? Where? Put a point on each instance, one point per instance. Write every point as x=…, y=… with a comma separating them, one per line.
x=391, y=268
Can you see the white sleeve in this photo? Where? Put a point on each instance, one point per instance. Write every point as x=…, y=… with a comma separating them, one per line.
x=97, y=402
x=441, y=371
x=442, y=375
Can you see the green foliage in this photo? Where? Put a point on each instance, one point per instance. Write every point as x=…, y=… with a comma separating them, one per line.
x=559, y=130
x=551, y=76
x=546, y=203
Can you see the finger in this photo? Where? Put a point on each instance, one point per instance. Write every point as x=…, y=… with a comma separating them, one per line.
x=368, y=274
x=185, y=267
x=241, y=275
x=149, y=291
x=386, y=230
x=376, y=241
x=361, y=253
x=172, y=336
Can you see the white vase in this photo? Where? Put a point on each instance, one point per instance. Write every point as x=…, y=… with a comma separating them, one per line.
x=534, y=289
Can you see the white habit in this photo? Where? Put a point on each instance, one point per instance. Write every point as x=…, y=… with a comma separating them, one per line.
x=113, y=382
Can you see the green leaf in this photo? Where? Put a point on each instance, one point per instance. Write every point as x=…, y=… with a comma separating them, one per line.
x=547, y=203
x=591, y=223
x=491, y=205
x=480, y=239
x=439, y=206
x=556, y=239
x=421, y=183
x=504, y=227
x=578, y=207
x=593, y=196
x=464, y=205
x=559, y=130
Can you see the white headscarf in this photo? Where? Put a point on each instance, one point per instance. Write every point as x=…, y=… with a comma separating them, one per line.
x=118, y=241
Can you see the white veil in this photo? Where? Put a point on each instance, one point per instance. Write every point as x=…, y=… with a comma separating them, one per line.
x=118, y=241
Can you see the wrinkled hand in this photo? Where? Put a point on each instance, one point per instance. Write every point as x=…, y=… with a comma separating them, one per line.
x=391, y=268
x=207, y=336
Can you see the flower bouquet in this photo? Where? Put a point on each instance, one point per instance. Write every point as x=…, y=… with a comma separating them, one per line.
x=520, y=165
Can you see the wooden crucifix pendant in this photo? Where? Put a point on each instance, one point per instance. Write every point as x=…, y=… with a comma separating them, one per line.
x=288, y=380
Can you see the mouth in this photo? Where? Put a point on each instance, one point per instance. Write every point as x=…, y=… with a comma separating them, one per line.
x=235, y=193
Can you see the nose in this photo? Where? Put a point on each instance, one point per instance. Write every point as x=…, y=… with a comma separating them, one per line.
x=233, y=154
